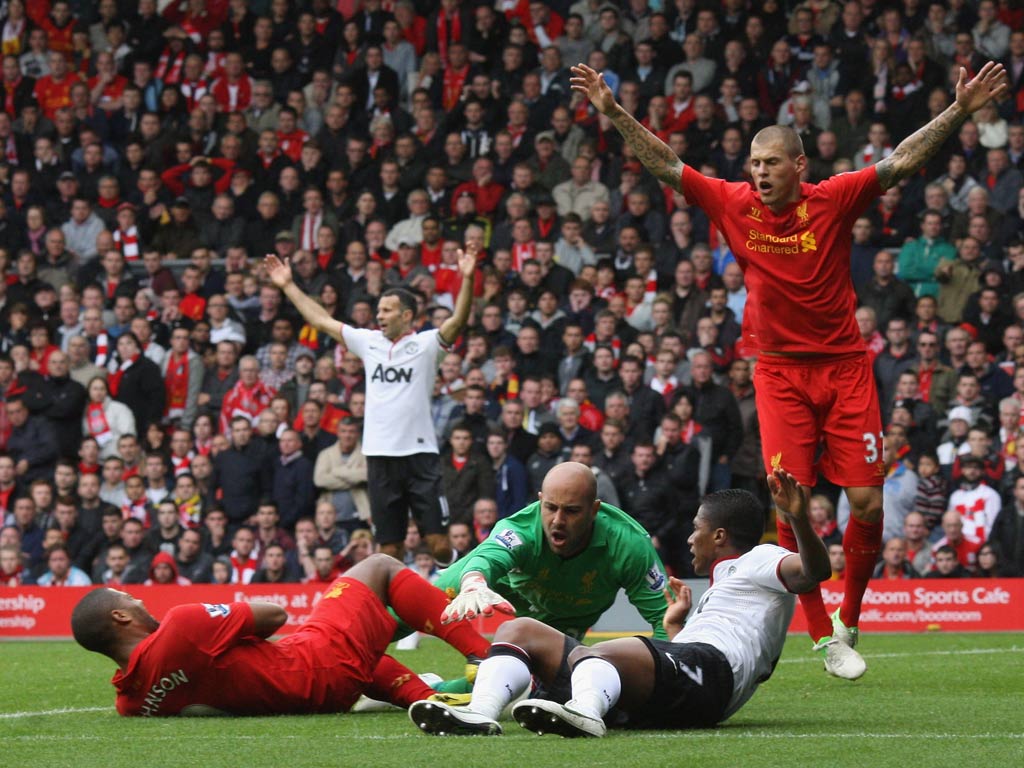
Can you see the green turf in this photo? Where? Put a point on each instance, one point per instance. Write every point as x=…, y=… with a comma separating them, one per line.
x=927, y=701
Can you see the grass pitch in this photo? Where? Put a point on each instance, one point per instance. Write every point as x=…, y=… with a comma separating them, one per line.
x=930, y=700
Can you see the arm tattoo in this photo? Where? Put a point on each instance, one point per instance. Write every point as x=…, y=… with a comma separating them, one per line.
x=918, y=148
x=655, y=154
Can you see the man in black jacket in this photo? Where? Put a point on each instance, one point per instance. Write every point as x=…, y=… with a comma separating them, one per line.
x=242, y=473
x=466, y=475
x=32, y=442
x=716, y=410
x=293, y=489
x=65, y=405
x=137, y=383
x=681, y=462
x=645, y=405
x=647, y=496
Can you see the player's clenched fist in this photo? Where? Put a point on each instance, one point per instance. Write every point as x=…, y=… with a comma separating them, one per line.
x=475, y=598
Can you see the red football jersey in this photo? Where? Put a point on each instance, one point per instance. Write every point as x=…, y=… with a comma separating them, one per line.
x=208, y=655
x=796, y=264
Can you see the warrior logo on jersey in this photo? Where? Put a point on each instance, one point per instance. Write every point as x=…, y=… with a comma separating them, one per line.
x=655, y=579
x=508, y=539
x=217, y=611
x=391, y=375
x=755, y=213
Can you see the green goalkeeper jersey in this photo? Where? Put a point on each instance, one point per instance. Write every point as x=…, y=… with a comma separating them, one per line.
x=568, y=594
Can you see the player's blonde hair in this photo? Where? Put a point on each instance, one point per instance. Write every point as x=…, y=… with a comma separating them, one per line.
x=790, y=139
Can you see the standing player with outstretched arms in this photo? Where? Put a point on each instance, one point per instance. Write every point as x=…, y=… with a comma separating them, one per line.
x=398, y=434
x=813, y=383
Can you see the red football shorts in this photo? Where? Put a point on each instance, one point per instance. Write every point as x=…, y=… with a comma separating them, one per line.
x=344, y=638
x=820, y=414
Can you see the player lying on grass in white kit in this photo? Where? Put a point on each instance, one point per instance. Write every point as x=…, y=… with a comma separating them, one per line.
x=709, y=669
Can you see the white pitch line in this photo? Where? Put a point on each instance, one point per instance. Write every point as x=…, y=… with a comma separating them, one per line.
x=797, y=660
x=907, y=654
x=51, y=712
x=689, y=735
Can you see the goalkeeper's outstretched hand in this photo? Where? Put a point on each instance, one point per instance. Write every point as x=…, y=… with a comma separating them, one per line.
x=475, y=598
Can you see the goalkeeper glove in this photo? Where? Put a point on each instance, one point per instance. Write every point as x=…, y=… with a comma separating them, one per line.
x=475, y=598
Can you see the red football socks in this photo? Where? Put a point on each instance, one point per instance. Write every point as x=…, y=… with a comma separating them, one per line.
x=819, y=625
x=396, y=683
x=861, y=545
x=420, y=605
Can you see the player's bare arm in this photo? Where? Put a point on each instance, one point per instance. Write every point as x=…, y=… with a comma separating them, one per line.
x=452, y=327
x=267, y=618
x=679, y=598
x=804, y=571
x=655, y=154
x=280, y=273
x=918, y=148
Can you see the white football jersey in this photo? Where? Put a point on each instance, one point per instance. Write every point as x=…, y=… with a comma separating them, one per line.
x=399, y=386
x=744, y=614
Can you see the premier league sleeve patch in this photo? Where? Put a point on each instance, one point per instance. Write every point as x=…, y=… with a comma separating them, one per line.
x=508, y=538
x=655, y=579
x=217, y=611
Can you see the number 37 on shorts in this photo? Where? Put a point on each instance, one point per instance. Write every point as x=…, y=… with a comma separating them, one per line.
x=873, y=447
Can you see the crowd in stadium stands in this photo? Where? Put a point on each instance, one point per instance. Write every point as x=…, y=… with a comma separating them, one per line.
x=169, y=418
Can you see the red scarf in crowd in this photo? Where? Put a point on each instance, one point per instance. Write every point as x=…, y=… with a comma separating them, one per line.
x=127, y=242
x=443, y=37
x=453, y=82
x=181, y=464
x=193, y=91
x=691, y=430
x=115, y=378
x=242, y=571
x=521, y=252
x=243, y=401
x=167, y=70
x=97, y=424
x=176, y=383
x=138, y=510
x=15, y=579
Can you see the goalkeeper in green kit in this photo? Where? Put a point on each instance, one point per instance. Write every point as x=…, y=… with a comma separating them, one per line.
x=561, y=560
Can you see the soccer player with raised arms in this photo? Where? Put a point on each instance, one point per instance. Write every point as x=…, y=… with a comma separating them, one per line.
x=814, y=384
x=398, y=434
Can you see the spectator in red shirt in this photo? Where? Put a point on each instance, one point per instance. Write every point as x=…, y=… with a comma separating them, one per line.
x=53, y=91
x=485, y=190
x=233, y=91
x=57, y=23
x=289, y=136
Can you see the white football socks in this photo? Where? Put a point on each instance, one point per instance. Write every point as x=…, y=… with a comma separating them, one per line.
x=499, y=680
x=595, y=686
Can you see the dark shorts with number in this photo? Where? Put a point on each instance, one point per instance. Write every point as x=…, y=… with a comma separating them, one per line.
x=404, y=486
x=692, y=687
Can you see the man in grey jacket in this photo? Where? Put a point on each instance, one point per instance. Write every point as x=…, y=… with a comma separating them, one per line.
x=340, y=473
